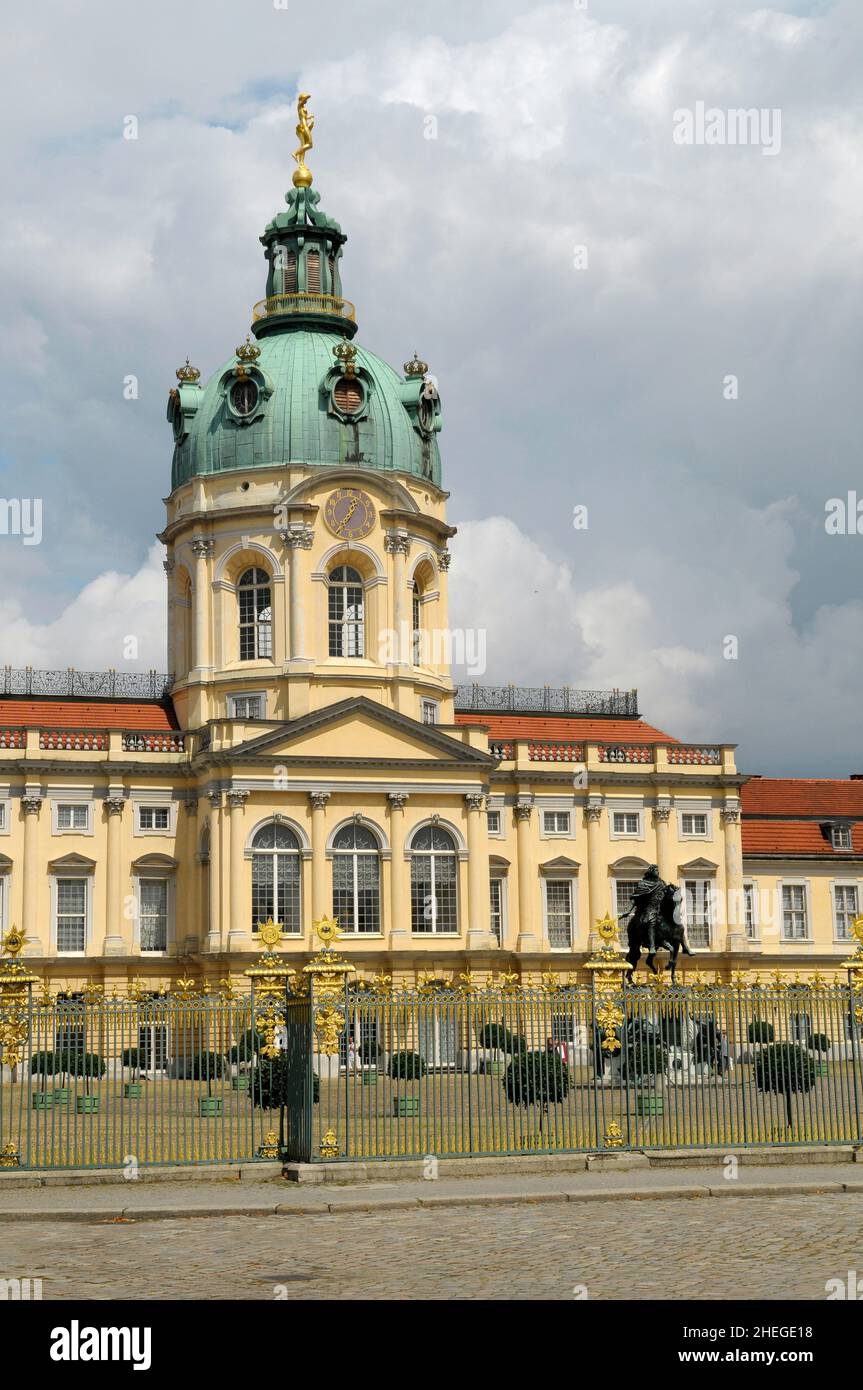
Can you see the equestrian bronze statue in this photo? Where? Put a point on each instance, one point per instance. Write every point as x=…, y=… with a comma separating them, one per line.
x=655, y=922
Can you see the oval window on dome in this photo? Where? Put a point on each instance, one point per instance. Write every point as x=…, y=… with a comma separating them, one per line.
x=348, y=395
x=244, y=397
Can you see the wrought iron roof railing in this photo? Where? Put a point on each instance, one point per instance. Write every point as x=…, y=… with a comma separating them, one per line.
x=546, y=699
x=94, y=685
x=304, y=304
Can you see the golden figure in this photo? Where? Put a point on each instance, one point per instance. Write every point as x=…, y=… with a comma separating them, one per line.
x=305, y=126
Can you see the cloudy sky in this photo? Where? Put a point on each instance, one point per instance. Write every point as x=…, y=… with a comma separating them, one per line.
x=582, y=284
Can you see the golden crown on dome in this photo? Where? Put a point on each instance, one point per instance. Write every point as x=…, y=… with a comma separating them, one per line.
x=416, y=366
x=188, y=372
x=248, y=351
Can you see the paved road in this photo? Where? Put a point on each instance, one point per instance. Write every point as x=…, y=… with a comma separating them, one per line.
x=667, y=1248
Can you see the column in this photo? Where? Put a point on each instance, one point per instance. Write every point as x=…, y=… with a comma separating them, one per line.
x=169, y=566
x=296, y=538
x=239, y=936
x=321, y=904
x=214, y=930
x=400, y=925
x=114, y=943
x=202, y=550
x=397, y=544
x=735, y=913
x=661, y=821
x=190, y=906
x=597, y=877
x=528, y=934
x=478, y=923
x=31, y=806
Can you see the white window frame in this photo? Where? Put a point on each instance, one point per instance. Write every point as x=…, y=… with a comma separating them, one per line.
x=431, y=707
x=5, y=894
x=843, y=883
x=74, y=801
x=494, y=834
x=571, y=882
x=699, y=809
x=155, y=805
x=87, y=878
x=807, y=902
x=545, y=833
x=619, y=879
x=846, y=829
x=750, y=886
x=637, y=834
x=710, y=882
x=499, y=879
x=259, y=695
x=5, y=815
x=168, y=880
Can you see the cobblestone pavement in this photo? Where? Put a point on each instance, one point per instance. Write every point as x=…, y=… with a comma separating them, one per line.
x=757, y=1248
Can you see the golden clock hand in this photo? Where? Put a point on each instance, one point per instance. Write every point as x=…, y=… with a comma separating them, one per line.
x=347, y=516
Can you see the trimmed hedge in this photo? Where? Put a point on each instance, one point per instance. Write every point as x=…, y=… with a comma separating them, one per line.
x=536, y=1078
x=407, y=1066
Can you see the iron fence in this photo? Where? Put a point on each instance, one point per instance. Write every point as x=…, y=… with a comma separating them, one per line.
x=365, y=1072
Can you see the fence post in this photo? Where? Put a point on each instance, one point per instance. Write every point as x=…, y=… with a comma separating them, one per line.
x=269, y=980
x=16, y=990
x=608, y=968
x=854, y=966
x=328, y=973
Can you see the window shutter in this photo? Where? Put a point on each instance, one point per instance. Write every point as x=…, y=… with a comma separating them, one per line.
x=348, y=395
x=313, y=272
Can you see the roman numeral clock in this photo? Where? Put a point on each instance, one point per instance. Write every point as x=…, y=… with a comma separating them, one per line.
x=349, y=513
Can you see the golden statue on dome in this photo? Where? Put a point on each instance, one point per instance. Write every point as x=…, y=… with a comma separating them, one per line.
x=305, y=126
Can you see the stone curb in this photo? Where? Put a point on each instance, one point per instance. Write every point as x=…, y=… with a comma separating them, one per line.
x=351, y=1206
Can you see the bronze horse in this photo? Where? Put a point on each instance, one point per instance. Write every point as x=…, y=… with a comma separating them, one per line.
x=654, y=923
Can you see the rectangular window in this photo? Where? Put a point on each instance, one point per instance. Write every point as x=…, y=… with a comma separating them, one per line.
x=750, y=907
x=2, y=815
x=558, y=909
x=623, y=891
x=841, y=836
x=844, y=910
x=496, y=903
x=626, y=822
x=73, y=817
x=555, y=822
x=154, y=817
x=247, y=707
x=71, y=914
x=154, y=914
x=794, y=923
x=693, y=823
x=494, y=822
x=429, y=711
x=699, y=903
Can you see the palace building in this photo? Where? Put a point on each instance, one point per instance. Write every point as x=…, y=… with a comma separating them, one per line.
x=309, y=753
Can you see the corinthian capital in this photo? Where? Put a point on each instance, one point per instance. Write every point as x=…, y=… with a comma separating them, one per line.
x=31, y=805
x=395, y=543
x=202, y=548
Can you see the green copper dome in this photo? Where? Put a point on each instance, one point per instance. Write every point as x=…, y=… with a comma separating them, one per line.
x=304, y=393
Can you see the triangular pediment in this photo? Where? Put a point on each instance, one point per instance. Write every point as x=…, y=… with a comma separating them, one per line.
x=694, y=865
x=68, y=862
x=561, y=864
x=359, y=730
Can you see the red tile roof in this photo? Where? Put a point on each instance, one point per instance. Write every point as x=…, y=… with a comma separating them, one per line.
x=567, y=729
x=86, y=714
x=802, y=796
x=795, y=837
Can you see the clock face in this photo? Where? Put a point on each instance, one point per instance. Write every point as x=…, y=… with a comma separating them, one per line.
x=349, y=513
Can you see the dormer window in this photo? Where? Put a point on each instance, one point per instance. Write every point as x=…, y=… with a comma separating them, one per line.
x=840, y=836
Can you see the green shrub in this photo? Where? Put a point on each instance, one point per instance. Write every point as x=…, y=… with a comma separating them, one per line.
x=496, y=1037
x=407, y=1066
x=269, y=1083
x=785, y=1069
x=45, y=1063
x=761, y=1031
x=246, y=1047
x=536, y=1078
x=819, y=1042
x=130, y=1057
x=643, y=1053
x=205, y=1066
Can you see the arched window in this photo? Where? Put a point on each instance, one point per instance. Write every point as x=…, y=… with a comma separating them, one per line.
x=276, y=877
x=345, y=609
x=256, y=615
x=416, y=625
x=356, y=880
x=434, y=879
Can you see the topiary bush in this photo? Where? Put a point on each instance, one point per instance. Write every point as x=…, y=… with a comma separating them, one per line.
x=643, y=1052
x=819, y=1042
x=269, y=1084
x=407, y=1066
x=45, y=1063
x=246, y=1047
x=496, y=1037
x=785, y=1069
x=761, y=1031
x=538, y=1078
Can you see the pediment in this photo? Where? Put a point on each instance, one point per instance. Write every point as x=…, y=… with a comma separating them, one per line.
x=68, y=862
x=359, y=729
x=630, y=862
x=562, y=864
x=694, y=865
x=165, y=862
